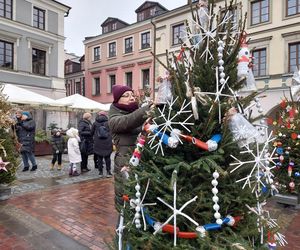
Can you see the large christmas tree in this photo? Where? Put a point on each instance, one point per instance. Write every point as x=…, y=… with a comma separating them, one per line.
x=8, y=154
x=205, y=170
x=286, y=127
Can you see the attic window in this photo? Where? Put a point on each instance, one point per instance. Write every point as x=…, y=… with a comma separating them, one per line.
x=141, y=16
x=153, y=11
x=105, y=29
x=114, y=26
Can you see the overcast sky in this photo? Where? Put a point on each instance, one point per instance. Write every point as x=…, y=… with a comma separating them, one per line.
x=86, y=16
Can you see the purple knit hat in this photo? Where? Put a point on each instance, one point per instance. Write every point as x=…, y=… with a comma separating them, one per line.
x=118, y=91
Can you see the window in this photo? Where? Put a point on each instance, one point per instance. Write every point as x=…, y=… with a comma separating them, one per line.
x=114, y=26
x=260, y=62
x=177, y=33
x=38, y=61
x=141, y=16
x=38, y=18
x=293, y=7
x=260, y=11
x=112, y=82
x=96, y=86
x=96, y=53
x=83, y=86
x=128, y=45
x=153, y=11
x=68, y=90
x=6, y=8
x=6, y=55
x=145, y=77
x=112, y=49
x=128, y=76
x=145, y=38
x=69, y=68
x=105, y=29
x=78, y=88
x=294, y=56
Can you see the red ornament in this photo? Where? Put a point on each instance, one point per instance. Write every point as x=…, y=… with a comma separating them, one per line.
x=294, y=136
x=179, y=57
x=292, y=113
x=125, y=197
x=283, y=104
x=270, y=121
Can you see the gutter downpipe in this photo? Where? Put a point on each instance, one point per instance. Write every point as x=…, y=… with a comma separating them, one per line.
x=154, y=60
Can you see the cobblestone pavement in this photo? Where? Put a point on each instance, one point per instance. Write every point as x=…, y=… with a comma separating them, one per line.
x=43, y=177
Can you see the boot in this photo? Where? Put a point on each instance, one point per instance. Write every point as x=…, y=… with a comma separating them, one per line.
x=33, y=168
x=75, y=173
x=108, y=173
x=100, y=173
x=25, y=169
x=70, y=170
x=51, y=166
x=59, y=167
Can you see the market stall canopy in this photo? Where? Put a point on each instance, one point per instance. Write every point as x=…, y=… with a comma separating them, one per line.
x=78, y=101
x=23, y=96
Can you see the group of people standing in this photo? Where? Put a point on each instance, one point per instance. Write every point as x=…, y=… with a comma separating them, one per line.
x=90, y=138
x=120, y=127
x=86, y=140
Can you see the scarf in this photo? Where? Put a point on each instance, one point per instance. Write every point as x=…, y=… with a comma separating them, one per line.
x=129, y=108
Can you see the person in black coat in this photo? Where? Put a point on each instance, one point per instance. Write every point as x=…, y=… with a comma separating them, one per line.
x=102, y=143
x=86, y=138
x=25, y=130
x=58, y=146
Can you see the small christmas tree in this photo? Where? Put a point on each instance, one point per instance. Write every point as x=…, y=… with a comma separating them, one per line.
x=286, y=127
x=204, y=172
x=8, y=156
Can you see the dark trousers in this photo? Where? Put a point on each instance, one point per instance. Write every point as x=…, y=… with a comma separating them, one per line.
x=84, y=161
x=56, y=157
x=100, y=162
x=26, y=157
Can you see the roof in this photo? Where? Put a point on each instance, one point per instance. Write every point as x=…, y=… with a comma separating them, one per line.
x=113, y=19
x=78, y=101
x=61, y=4
x=23, y=96
x=150, y=3
x=73, y=60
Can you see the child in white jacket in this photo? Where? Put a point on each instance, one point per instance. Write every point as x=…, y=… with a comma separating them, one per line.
x=73, y=151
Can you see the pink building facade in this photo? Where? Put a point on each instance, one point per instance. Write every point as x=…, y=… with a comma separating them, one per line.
x=119, y=57
x=122, y=54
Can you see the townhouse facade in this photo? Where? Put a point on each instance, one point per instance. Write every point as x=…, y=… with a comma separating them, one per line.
x=122, y=54
x=74, y=75
x=32, y=45
x=272, y=27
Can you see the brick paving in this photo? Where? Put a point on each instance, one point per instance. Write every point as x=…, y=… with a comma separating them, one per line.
x=50, y=210
x=83, y=211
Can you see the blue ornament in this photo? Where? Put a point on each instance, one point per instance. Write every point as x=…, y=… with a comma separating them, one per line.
x=264, y=189
x=279, y=150
x=297, y=174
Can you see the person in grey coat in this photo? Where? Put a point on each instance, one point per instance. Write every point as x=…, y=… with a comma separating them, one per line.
x=125, y=123
x=102, y=143
x=25, y=130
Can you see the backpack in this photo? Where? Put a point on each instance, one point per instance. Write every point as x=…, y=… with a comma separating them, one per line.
x=102, y=132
